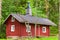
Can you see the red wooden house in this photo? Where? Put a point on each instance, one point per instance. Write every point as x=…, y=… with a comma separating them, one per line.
x=20, y=25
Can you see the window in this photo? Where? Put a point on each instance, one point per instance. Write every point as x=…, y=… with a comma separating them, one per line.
x=44, y=29
x=28, y=28
x=12, y=28
x=12, y=19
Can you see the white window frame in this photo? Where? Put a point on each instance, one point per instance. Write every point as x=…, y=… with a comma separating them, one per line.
x=44, y=29
x=12, y=28
x=12, y=19
x=28, y=28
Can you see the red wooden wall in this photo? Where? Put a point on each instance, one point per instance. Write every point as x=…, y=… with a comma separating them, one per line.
x=20, y=29
x=23, y=30
x=8, y=28
x=47, y=31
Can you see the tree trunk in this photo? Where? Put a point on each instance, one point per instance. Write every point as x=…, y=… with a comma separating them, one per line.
x=0, y=9
x=59, y=22
x=0, y=15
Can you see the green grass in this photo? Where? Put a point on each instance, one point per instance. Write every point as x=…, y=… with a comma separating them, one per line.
x=2, y=39
x=42, y=38
x=47, y=38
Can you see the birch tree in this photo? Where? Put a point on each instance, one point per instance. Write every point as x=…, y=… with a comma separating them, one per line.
x=0, y=10
x=0, y=14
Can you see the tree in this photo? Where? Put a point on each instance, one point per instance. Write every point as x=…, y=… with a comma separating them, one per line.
x=0, y=11
x=47, y=8
x=0, y=14
x=59, y=21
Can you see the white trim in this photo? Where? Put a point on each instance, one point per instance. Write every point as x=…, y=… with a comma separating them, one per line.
x=28, y=28
x=44, y=29
x=12, y=19
x=12, y=28
x=27, y=25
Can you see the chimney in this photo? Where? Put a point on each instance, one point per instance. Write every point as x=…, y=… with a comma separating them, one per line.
x=28, y=10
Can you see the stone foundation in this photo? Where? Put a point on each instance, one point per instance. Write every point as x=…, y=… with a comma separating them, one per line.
x=13, y=37
x=18, y=37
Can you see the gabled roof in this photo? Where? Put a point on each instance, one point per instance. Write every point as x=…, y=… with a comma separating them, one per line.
x=32, y=19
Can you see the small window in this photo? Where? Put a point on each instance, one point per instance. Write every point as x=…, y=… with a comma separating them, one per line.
x=28, y=28
x=12, y=19
x=44, y=29
x=12, y=28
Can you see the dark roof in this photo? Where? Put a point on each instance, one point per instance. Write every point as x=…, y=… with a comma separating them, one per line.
x=32, y=19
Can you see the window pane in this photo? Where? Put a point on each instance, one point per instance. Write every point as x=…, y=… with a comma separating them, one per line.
x=28, y=28
x=12, y=28
x=12, y=19
x=44, y=29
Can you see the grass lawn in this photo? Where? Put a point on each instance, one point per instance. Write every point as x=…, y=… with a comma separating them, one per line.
x=44, y=38
x=2, y=39
x=47, y=38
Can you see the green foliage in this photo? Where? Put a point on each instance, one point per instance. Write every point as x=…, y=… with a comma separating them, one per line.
x=3, y=31
x=38, y=9
x=53, y=30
